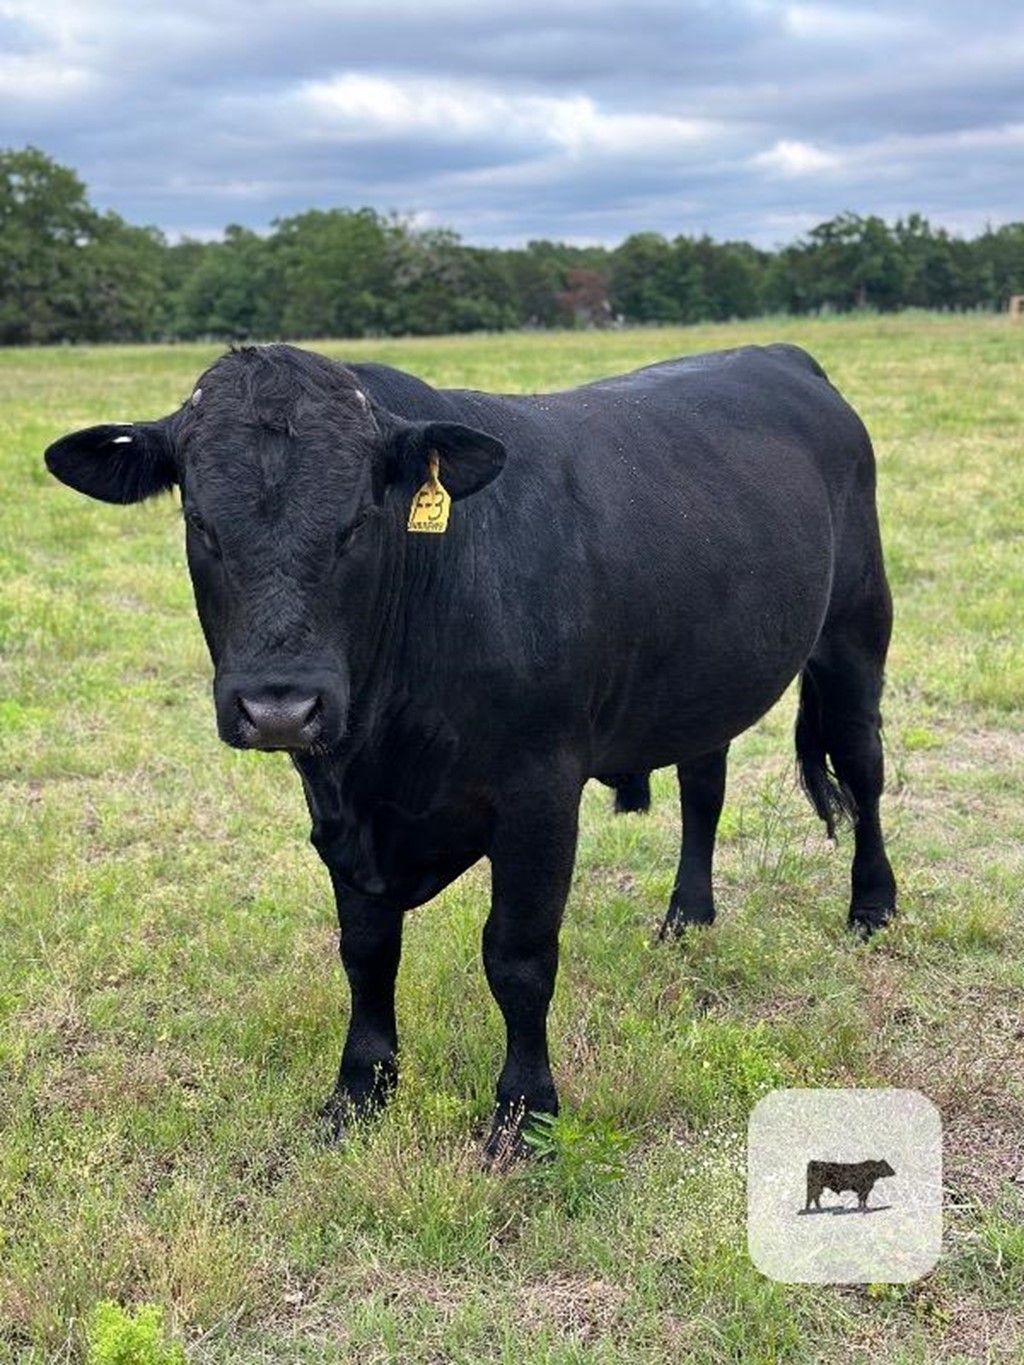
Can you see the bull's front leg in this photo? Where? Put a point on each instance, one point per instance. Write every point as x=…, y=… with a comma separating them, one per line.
x=532, y=856
x=371, y=947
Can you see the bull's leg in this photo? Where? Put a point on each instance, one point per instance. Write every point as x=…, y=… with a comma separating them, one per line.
x=633, y=793
x=701, y=794
x=532, y=855
x=846, y=675
x=371, y=945
x=814, y=1189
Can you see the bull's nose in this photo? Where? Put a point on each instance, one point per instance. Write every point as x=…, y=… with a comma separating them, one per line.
x=279, y=722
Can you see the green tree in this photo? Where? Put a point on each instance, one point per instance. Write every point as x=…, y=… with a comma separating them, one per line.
x=854, y=262
x=335, y=272
x=233, y=291
x=787, y=286
x=44, y=217
x=489, y=301
x=998, y=259
x=120, y=273
x=734, y=274
x=535, y=281
x=438, y=285
x=68, y=273
x=639, y=285
x=682, y=282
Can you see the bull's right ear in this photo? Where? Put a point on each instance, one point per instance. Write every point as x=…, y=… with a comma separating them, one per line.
x=120, y=463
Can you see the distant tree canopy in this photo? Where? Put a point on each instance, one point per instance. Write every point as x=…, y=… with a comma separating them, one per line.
x=70, y=273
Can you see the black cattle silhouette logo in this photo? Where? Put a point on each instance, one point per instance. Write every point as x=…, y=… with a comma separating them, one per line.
x=838, y=1176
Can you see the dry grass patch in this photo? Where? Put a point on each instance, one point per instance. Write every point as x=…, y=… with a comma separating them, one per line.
x=578, y=1308
x=979, y=1336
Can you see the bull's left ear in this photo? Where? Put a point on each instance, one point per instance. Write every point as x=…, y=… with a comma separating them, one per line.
x=469, y=459
x=120, y=463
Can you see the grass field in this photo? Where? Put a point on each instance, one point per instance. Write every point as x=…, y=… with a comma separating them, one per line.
x=171, y=1006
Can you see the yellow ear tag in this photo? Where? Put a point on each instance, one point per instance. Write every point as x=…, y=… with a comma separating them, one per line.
x=431, y=505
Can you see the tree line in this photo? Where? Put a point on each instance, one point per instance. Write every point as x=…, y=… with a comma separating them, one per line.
x=70, y=273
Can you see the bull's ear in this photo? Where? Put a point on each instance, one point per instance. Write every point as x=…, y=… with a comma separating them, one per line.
x=120, y=463
x=469, y=459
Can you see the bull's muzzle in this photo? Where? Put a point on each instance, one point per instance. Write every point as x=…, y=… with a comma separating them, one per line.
x=303, y=711
x=275, y=722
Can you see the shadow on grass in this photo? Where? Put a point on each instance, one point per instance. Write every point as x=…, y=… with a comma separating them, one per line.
x=836, y=1209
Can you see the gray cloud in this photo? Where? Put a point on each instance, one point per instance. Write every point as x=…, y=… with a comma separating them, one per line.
x=580, y=121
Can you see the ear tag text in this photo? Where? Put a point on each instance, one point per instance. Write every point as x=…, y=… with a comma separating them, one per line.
x=432, y=504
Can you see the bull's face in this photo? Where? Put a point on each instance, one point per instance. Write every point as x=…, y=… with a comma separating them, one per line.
x=294, y=489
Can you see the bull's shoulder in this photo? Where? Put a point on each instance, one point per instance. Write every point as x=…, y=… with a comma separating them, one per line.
x=795, y=357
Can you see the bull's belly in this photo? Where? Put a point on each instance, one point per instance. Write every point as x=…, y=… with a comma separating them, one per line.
x=703, y=634
x=695, y=699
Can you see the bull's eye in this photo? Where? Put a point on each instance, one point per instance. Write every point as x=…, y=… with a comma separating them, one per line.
x=345, y=536
x=195, y=523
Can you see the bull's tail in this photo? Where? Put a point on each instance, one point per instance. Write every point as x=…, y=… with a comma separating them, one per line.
x=830, y=797
x=632, y=792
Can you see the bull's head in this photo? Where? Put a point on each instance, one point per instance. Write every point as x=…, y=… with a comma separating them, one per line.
x=292, y=484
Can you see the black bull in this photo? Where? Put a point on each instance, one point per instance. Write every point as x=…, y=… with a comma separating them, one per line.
x=662, y=554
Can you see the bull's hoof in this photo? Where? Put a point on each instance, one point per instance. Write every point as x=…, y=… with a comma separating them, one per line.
x=507, y=1143
x=341, y=1112
x=865, y=920
x=503, y=1149
x=680, y=918
x=335, y=1114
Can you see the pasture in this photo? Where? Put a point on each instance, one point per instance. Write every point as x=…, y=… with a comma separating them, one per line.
x=172, y=1007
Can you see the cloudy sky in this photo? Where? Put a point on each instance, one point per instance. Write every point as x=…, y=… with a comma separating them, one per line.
x=579, y=120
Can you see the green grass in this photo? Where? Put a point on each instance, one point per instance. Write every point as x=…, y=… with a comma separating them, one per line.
x=171, y=1007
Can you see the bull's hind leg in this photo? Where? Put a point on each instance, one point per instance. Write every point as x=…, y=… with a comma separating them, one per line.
x=840, y=721
x=701, y=794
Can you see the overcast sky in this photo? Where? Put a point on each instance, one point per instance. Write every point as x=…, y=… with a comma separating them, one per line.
x=576, y=120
